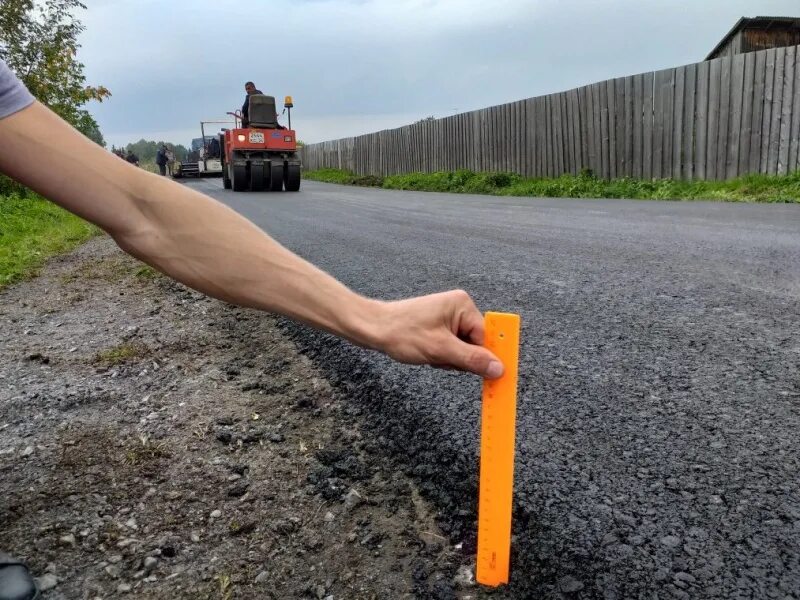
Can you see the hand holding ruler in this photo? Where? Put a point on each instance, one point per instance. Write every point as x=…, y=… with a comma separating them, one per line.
x=498, y=422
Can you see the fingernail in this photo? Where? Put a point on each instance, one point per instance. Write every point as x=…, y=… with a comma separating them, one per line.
x=494, y=370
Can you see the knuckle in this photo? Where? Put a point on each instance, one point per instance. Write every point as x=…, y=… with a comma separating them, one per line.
x=474, y=361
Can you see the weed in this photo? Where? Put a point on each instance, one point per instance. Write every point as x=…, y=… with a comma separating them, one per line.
x=225, y=591
x=120, y=354
x=751, y=188
x=146, y=272
x=145, y=451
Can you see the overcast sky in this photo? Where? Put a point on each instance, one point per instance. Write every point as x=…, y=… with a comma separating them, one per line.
x=355, y=66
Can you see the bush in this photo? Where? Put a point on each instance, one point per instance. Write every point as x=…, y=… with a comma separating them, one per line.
x=9, y=187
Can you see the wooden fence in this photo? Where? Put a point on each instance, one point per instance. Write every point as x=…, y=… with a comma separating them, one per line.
x=712, y=120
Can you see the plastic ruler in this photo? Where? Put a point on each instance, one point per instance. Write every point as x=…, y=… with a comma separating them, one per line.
x=498, y=422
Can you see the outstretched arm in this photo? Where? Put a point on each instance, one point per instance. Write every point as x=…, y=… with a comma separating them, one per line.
x=211, y=248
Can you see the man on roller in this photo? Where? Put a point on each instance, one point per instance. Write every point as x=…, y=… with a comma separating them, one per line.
x=250, y=88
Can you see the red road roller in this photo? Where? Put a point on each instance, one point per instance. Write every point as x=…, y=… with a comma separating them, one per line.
x=263, y=154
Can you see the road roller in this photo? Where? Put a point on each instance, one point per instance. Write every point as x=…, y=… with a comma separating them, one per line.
x=259, y=153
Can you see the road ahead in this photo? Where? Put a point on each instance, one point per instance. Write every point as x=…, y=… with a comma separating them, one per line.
x=659, y=412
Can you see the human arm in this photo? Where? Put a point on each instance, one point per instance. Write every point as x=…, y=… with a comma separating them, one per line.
x=168, y=226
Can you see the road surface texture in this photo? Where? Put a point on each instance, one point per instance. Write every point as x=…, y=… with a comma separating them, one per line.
x=658, y=451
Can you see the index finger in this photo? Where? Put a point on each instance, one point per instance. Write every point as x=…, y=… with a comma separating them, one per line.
x=470, y=325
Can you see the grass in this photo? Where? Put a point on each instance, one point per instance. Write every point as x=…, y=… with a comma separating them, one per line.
x=751, y=188
x=146, y=272
x=31, y=231
x=121, y=354
x=149, y=166
x=344, y=177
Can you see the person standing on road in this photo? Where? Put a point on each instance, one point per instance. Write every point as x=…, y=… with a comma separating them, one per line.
x=161, y=159
x=167, y=225
x=170, y=161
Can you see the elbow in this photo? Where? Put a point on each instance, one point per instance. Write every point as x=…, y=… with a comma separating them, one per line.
x=136, y=229
x=141, y=242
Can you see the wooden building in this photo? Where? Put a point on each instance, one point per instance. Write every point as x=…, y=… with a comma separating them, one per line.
x=758, y=33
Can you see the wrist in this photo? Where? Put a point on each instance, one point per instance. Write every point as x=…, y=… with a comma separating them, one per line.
x=365, y=323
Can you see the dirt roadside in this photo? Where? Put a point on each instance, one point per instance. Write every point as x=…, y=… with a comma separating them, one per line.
x=155, y=443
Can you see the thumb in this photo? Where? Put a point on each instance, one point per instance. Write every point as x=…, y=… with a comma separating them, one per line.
x=475, y=359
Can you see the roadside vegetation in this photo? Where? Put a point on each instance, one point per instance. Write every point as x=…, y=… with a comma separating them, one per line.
x=751, y=188
x=39, y=41
x=32, y=230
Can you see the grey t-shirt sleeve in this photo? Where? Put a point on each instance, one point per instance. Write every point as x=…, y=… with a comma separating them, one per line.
x=13, y=95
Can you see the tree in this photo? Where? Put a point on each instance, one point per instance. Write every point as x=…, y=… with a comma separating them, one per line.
x=39, y=42
x=88, y=126
x=146, y=149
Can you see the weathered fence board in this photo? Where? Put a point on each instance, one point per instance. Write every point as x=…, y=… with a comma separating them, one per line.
x=766, y=118
x=735, y=122
x=648, y=88
x=786, y=112
x=668, y=118
x=794, y=147
x=724, y=117
x=689, y=104
x=679, y=91
x=558, y=142
x=629, y=121
x=638, y=117
x=619, y=125
x=593, y=111
x=714, y=77
x=659, y=110
x=777, y=109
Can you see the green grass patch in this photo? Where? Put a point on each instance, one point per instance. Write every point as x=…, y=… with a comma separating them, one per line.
x=149, y=166
x=31, y=231
x=751, y=188
x=344, y=177
x=121, y=354
x=146, y=272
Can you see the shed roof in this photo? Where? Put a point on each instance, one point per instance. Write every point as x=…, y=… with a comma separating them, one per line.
x=757, y=22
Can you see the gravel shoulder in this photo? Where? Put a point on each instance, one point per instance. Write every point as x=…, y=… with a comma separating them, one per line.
x=156, y=443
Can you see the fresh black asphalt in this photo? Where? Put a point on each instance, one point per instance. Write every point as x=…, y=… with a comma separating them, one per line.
x=658, y=440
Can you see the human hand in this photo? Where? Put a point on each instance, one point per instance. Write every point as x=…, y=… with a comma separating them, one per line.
x=444, y=330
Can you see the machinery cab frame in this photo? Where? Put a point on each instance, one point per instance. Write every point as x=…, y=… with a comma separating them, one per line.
x=203, y=159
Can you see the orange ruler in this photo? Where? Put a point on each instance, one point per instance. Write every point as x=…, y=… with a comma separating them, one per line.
x=498, y=422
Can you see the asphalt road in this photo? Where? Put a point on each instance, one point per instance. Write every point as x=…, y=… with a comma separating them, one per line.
x=659, y=410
